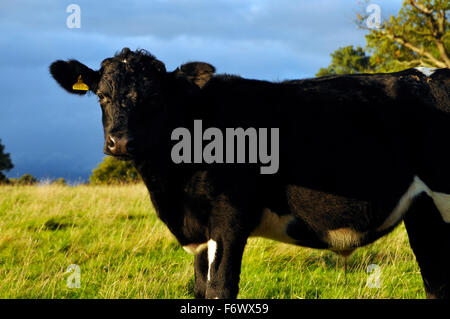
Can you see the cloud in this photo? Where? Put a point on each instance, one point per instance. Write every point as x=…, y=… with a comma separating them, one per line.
x=310, y=30
x=47, y=130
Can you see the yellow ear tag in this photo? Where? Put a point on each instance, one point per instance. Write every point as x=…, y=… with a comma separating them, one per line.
x=80, y=85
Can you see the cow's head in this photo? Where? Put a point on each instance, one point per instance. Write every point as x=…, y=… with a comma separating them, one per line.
x=132, y=90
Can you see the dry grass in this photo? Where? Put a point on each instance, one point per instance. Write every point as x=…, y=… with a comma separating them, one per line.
x=124, y=251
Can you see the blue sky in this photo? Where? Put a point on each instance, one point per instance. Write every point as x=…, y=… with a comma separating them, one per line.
x=50, y=133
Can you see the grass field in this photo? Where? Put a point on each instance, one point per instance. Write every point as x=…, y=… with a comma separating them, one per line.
x=124, y=251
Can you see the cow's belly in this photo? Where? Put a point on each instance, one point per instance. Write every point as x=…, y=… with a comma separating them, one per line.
x=293, y=230
x=319, y=220
x=275, y=226
x=322, y=220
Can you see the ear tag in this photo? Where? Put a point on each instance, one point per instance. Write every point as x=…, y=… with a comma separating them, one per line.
x=80, y=85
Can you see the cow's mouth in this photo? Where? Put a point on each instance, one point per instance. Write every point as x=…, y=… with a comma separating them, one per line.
x=122, y=157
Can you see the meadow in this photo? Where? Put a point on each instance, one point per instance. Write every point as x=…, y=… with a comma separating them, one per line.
x=124, y=251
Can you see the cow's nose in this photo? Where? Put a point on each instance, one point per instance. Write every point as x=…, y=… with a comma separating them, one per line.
x=119, y=146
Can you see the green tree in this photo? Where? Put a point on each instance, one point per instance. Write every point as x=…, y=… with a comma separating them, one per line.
x=5, y=163
x=347, y=60
x=26, y=179
x=418, y=36
x=114, y=171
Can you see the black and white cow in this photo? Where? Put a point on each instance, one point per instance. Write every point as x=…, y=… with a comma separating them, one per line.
x=357, y=155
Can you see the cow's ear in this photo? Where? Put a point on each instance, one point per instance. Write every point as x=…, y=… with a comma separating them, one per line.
x=69, y=73
x=196, y=72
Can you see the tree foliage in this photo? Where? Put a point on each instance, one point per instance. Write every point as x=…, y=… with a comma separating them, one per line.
x=114, y=171
x=5, y=163
x=347, y=60
x=26, y=179
x=418, y=36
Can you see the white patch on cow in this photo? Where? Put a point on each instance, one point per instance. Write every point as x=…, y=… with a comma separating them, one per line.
x=426, y=71
x=404, y=203
x=195, y=249
x=212, y=247
x=273, y=226
x=441, y=200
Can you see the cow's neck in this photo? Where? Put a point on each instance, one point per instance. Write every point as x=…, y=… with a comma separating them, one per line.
x=165, y=180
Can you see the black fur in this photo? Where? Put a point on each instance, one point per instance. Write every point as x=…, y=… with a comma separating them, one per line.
x=350, y=146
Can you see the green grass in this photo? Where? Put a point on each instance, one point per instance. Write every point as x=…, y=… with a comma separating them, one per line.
x=125, y=251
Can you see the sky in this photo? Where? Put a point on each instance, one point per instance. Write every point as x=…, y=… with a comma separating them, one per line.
x=50, y=133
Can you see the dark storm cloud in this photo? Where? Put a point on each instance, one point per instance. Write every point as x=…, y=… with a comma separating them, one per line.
x=49, y=132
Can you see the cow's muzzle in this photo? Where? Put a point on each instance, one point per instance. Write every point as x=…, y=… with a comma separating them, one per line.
x=123, y=146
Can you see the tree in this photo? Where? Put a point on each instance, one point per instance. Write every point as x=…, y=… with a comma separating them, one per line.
x=114, y=171
x=418, y=36
x=5, y=163
x=347, y=60
x=26, y=179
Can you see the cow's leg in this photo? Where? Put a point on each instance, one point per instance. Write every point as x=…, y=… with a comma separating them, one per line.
x=201, y=271
x=224, y=252
x=429, y=237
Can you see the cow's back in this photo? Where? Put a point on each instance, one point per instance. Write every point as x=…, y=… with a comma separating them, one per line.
x=357, y=135
x=439, y=83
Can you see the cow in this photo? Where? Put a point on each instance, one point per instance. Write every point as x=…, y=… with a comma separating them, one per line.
x=358, y=154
